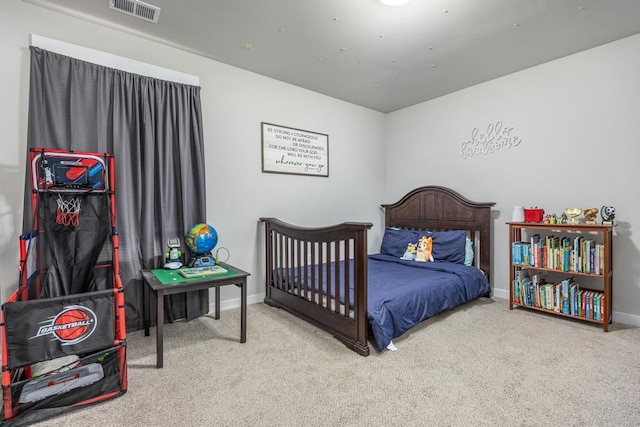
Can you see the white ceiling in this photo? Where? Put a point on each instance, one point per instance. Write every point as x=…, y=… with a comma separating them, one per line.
x=381, y=57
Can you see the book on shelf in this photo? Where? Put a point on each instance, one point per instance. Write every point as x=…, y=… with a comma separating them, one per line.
x=518, y=289
x=531, y=251
x=516, y=253
x=565, y=296
x=579, y=303
x=537, y=280
x=547, y=291
x=520, y=253
x=577, y=251
x=566, y=259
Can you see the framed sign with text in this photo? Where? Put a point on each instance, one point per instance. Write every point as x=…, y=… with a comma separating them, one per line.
x=294, y=151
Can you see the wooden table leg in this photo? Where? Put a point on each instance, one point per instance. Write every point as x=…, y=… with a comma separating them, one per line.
x=145, y=308
x=159, y=328
x=243, y=311
x=217, y=317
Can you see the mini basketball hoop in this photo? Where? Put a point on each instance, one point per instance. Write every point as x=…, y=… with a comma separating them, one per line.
x=68, y=212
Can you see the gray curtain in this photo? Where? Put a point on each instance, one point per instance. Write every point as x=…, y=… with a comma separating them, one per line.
x=154, y=130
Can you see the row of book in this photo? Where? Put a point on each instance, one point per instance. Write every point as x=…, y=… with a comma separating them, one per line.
x=563, y=297
x=576, y=254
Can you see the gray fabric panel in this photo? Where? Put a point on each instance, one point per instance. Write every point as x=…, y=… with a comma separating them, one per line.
x=154, y=130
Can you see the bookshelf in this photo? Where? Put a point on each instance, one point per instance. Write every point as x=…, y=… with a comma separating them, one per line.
x=547, y=263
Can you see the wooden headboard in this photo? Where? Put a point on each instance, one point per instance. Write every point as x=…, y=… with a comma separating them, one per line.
x=439, y=208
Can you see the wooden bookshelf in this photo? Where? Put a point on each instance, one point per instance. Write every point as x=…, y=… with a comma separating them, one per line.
x=532, y=247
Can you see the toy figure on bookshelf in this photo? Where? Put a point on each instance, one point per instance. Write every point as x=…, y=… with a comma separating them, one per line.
x=563, y=219
x=590, y=215
x=572, y=213
x=608, y=214
x=550, y=219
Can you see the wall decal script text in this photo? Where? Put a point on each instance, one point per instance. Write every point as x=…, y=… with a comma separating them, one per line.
x=496, y=137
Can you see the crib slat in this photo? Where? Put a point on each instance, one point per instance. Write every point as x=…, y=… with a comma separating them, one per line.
x=313, y=272
x=279, y=263
x=338, y=278
x=347, y=277
x=322, y=293
x=287, y=263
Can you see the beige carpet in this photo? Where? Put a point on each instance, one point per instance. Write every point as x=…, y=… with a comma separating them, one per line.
x=479, y=364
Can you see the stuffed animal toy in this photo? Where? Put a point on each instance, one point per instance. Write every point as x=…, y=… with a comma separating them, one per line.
x=423, y=251
x=410, y=253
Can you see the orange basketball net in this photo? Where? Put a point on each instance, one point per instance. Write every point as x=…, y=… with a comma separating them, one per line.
x=68, y=212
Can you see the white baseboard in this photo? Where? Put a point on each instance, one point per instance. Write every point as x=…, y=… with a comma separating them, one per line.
x=626, y=318
x=501, y=293
x=618, y=317
x=235, y=302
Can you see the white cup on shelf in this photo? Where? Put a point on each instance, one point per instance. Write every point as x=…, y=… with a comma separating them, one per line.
x=518, y=214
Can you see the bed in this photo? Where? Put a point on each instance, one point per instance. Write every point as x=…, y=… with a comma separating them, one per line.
x=324, y=275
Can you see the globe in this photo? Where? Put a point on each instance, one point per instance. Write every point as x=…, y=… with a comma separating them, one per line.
x=201, y=238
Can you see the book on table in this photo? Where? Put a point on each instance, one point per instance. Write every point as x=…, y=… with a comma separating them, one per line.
x=209, y=270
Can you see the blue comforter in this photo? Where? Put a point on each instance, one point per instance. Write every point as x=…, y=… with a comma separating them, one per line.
x=403, y=293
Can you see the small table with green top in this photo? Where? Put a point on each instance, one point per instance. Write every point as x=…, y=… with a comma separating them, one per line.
x=169, y=282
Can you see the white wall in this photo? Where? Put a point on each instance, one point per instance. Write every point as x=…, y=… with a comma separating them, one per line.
x=579, y=121
x=234, y=102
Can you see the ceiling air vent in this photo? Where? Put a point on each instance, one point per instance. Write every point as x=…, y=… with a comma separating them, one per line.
x=136, y=8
